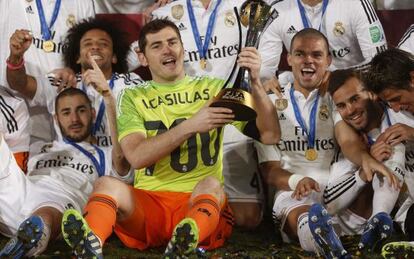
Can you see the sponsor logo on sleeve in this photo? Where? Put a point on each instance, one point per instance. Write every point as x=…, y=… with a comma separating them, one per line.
x=375, y=33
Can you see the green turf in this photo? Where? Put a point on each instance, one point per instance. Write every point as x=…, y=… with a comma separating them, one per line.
x=263, y=242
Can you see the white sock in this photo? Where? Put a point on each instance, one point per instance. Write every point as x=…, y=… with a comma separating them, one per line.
x=42, y=243
x=306, y=240
x=385, y=196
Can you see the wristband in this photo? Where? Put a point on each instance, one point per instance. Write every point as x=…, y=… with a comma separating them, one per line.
x=294, y=180
x=12, y=66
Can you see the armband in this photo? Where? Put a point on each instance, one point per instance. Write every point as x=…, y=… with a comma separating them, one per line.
x=12, y=66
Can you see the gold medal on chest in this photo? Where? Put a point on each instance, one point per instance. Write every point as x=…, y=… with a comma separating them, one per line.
x=48, y=45
x=311, y=154
x=203, y=64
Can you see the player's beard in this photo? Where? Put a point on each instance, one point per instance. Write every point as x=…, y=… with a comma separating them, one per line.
x=77, y=138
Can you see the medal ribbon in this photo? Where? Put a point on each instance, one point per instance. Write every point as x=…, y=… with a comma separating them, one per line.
x=312, y=120
x=100, y=166
x=305, y=20
x=202, y=49
x=46, y=35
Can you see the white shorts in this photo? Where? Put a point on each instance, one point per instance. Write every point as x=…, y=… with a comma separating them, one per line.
x=284, y=204
x=242, y=181
x=21, y=195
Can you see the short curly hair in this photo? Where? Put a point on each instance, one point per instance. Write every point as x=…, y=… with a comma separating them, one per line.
x=75, y=34
x=389, y=69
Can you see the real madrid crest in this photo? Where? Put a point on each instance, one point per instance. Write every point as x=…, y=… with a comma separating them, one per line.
x=177, y=11
x=71, y=20
x=323, y=112
x=339, y=29
x=281, y=104
x=229, y=19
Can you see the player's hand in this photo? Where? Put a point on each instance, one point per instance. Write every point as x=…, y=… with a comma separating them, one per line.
x=272, y=86
x=147, y=13
x=249, y=58
x=381, y=151
x=208, y=118
x=397, y=133
x=20, y=42
x=95, y=78
x=372, y=166
x=62, y=78
x=305, y=187
x=323, y=85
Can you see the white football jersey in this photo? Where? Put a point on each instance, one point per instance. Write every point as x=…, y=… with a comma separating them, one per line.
x=60, y=176
x=66, y=163
x=225, y=38
x=352, y=27
x=122, y=6
x=402, y=154
x=22, y=14
x=14, y=121
x=408, y=119
x=46, y=93
x=290, y=150
x=407, y=41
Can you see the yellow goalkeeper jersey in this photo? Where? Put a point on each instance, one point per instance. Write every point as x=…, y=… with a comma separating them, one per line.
x=151, y=109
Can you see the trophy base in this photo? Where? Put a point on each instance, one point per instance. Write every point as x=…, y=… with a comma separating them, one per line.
x=239, y=101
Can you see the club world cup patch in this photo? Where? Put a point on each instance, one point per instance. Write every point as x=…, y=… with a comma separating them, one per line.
x=375, y=33
x=229, y=19
x=339, y=29
x=177, y=11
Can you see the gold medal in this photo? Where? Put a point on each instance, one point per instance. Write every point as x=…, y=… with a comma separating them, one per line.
x=281, y=104
x=229, y=19
x=339, y=29
x=323, y=112
x=311, y=154
x=71, y=20
x=48, y=46
x=177, y=11
x=203, y=63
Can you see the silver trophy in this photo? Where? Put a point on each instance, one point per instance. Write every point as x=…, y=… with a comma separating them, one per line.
x=256, y=15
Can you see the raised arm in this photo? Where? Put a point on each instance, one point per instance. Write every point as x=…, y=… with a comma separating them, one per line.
x=17, y=78
x=267, y=122
x=96, y=78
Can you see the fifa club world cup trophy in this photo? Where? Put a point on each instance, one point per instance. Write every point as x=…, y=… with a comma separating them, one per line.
x=256, y=16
